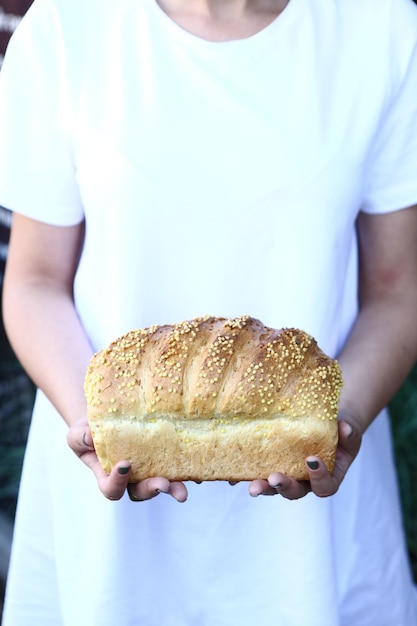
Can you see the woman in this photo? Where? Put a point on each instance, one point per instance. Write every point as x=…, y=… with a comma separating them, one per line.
x=170, y=159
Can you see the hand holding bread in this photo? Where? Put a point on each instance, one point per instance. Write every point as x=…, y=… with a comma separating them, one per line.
x=213, y=399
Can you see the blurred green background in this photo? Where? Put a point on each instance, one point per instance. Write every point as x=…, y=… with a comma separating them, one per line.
x=403, y=410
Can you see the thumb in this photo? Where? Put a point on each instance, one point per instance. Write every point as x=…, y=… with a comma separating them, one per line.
x=349, y=437
x=79, y=437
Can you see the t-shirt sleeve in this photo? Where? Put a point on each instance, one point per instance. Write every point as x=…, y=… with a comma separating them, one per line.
x=392, y=183
x=37, y=173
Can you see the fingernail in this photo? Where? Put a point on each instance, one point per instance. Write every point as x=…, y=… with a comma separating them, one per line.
x=313, y=465
x=350, y=429
x=85, y=443
x=123, y=470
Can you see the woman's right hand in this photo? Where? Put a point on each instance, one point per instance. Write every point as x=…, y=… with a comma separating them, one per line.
x=114, y=485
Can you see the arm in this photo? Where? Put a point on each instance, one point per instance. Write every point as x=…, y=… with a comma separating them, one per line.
x=50, y=342
x=381, y=348
x=39, y=313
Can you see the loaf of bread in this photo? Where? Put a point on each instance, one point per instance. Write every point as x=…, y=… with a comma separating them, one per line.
x=213, y=399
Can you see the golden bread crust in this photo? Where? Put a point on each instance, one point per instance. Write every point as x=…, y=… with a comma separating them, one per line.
x=213, y=399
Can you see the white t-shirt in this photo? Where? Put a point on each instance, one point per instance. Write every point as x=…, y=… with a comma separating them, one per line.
x=214, y=178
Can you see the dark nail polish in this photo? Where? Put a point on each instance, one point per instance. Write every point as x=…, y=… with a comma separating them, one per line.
x=123, y=470
x=313, y=465
x=85, y=442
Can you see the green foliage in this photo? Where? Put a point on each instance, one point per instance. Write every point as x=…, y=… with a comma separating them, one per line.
x=16, y=401
x=404, y=426
x=10, y=469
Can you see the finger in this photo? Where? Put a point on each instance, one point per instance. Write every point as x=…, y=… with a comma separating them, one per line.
x=151, y=487
x=322, y=483
x=135, y=497
x=261, y=488
x=112, y=485
x=79, y=437
x=178, y=491
x=350, y=440
x=148, y=489
x=289, y=487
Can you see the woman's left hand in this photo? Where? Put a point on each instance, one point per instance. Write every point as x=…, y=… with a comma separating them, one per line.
x=321, y=482
x=114, y=485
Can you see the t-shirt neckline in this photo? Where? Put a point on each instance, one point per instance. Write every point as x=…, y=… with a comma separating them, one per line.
x=261, y=34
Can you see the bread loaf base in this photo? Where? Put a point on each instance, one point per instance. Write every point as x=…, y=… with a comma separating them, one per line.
x=235, y=449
